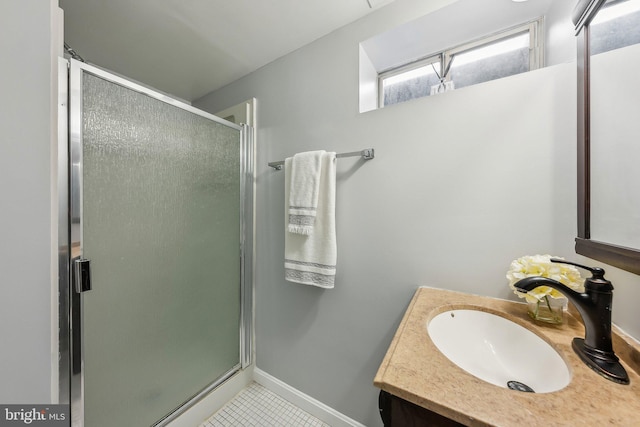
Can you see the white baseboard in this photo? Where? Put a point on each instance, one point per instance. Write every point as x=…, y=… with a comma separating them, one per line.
x=303, y=401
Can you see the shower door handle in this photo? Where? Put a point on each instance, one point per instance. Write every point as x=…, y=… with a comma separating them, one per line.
x=82, y=267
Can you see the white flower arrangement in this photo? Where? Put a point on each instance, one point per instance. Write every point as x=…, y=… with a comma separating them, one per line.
x=541, y=265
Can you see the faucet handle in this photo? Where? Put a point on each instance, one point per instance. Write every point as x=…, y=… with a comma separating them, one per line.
x=596, y=281
x=598, y=273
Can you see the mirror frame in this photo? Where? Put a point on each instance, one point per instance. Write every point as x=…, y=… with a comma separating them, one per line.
x=622, y=257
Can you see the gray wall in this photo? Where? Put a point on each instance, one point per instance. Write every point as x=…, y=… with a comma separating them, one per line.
x=560, y=40
x=25, y=194
x=462, y=184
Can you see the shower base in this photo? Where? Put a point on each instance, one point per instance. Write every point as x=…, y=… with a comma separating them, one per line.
x=257, y=406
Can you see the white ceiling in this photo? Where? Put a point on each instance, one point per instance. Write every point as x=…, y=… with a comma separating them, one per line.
x=189, y=48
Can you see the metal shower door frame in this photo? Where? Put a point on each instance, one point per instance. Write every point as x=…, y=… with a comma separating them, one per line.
x=71, y=365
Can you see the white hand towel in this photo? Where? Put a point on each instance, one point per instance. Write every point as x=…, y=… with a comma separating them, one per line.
x=311, y=259
x=303, y=191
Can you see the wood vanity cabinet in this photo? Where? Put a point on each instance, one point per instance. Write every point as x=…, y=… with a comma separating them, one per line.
x=397, y=412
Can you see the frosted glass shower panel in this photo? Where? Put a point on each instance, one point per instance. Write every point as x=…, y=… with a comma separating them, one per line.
x=161, y=225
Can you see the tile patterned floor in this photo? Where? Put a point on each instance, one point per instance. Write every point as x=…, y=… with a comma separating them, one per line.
x=259, y=407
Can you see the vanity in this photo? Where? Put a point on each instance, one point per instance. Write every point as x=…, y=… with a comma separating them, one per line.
x=419, y=381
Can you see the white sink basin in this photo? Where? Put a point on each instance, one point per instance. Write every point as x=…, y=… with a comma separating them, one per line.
x=498, y=351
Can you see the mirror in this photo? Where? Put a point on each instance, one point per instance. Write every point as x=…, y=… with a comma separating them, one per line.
x=608, y=131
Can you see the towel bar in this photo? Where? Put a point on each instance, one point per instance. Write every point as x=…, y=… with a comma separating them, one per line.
x=367, y=154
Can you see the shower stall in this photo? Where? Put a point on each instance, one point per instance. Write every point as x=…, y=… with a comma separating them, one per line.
x=155, y=260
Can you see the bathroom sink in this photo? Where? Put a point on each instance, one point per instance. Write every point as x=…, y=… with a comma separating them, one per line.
x=498, y=351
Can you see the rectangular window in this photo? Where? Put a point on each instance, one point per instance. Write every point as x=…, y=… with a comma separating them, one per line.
x=502, y=58
x=510, y=52
x=616, y=25
x=409, y=82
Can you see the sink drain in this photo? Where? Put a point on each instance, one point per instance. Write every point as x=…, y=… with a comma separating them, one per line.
x=518, y=386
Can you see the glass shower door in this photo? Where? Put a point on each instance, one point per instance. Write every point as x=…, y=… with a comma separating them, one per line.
x=159, y=216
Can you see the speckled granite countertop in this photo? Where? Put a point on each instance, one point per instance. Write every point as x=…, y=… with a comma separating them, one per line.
x=415, y=370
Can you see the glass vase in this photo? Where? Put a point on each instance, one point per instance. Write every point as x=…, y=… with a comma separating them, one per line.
x=547, y=309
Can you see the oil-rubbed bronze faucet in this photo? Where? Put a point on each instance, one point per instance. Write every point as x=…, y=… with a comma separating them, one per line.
x=594, y=305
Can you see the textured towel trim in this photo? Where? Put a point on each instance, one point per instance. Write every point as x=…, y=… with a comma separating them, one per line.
x=301, y=224
x=310, y=266
x=310, y=273
x=309, y=278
